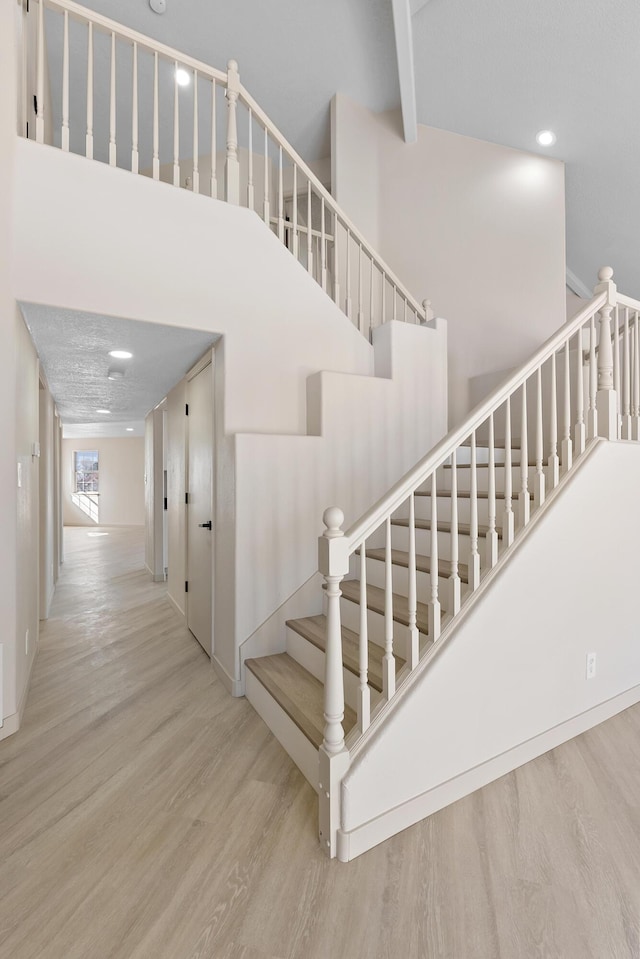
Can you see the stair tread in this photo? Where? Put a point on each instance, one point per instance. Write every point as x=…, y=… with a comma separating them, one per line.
x=462, y=493
x=423, y=563
x=375, y=601
x=313, y=629
x=445, y=527
x=298, y=693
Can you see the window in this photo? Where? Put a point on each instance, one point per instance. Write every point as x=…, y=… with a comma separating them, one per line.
x=85, y=464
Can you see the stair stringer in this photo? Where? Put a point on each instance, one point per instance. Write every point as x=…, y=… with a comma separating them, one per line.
x=365, y=432
x=507, y=682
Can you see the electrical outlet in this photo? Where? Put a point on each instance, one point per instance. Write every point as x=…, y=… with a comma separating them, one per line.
x=591, y=665
x=26, y=643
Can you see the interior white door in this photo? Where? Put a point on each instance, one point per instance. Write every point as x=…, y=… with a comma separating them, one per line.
x=200, y=507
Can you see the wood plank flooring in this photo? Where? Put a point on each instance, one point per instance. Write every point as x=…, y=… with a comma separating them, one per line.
x=144, y=814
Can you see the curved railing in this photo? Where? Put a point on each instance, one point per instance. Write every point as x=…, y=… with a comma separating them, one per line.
x=111, y=93
x=505, y=458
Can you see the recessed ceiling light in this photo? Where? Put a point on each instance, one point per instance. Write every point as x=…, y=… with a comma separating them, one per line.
x=121, y=354
x=103, y=411
x=183, y=78
x=546, y=138
x=129, y=429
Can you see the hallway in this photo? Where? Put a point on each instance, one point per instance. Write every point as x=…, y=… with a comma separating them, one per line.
x=145, y=814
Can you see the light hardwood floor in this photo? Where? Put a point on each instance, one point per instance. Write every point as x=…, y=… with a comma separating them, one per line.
x=145, y=814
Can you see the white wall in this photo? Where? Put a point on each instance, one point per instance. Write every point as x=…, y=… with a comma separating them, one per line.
x=176, y=487
x=515, y=669
x=121, y=467
x=475, y=227
x=47, y=510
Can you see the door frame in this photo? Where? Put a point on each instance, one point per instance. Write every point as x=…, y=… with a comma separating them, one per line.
x=207, y=359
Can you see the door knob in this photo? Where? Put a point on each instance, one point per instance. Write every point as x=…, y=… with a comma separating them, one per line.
x=205, y=525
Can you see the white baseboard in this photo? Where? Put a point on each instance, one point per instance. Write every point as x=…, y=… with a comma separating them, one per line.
x=11, y=724
x=230, y=683
x=358, y=840
x=180, y=612
x=156, y=577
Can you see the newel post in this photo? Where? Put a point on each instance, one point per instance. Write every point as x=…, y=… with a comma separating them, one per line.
x=232, y=166
x=606, y=397
x=333, y=563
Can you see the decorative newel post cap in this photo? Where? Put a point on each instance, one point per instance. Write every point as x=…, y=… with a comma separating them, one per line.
x=605, y=274
x=333, y=518
x=232, y=66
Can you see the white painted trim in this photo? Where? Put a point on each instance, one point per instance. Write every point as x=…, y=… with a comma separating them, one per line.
x=576, y=285
x=233, y=686
x=294, y=741
x=370, y=834
x=181, y=613
x=11, y=724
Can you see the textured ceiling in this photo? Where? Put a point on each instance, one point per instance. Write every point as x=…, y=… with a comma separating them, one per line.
x=73, y=349
x=498, y=70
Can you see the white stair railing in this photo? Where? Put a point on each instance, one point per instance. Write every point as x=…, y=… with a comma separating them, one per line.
x=551, y=378
x=159, y=112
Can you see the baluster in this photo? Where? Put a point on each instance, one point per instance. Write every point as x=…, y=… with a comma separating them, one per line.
x=135, y=158
x=434, y=605
x=539, y=488
x=474, y=555
x=405, y=309
x=309, y=231
x=40, y=76
x=266, y=214
x=250, y=187
x=492, y=533
x=214, y=176
x=336, y=262
x=232, y=165
x=384, y=307
x=295, y=245
x=364, y=693
x=592, y=412
x=388, y=660
x=636, y=380
x=567, y=446
x=553, y=463
x=413, y=639
x=64, y=135
x=333, y=757
x=508, y=518
x=348, y=300
x=360, y=310
x=195, y=186
x=280, y=198
x=371, y=279
x=112, y=104
x=523, y=499
x=454, y=575
x=176, y=129
x=323, y=247
x=89, y=136
x=616, y=367
x=580, y=429
x=626, y=379
x=395, y=299
x=156, y=147
x=606, y=397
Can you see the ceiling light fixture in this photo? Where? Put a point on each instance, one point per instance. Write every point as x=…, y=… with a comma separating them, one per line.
x=103, y=411
x=129, y=429
x=546, y=138
x=121, y=354
x=183, y=78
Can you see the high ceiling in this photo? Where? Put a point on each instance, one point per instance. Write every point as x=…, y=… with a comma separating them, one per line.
x=498, y=70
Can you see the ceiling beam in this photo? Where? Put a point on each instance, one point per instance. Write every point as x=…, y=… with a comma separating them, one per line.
x=406, y=75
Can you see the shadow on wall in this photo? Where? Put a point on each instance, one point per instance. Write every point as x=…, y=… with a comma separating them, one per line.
x=89, y=503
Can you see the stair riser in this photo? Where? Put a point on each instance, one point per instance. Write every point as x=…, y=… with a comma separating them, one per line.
x=400, y=540
x=482, y=473
x=463, y=455
x=423, y=509
x=376, y=577
x=313, y=660
x=350, y=615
